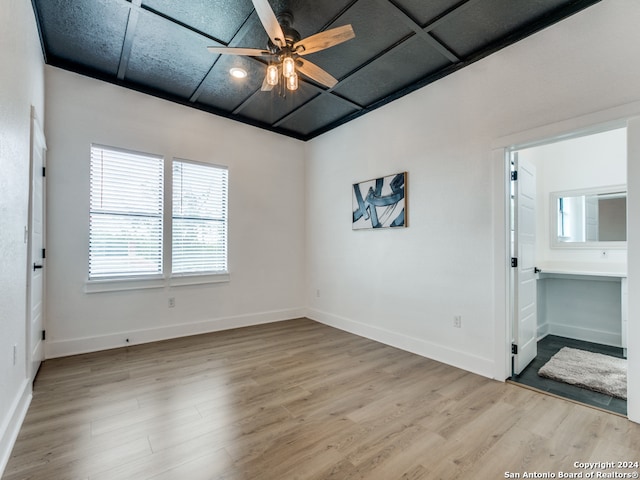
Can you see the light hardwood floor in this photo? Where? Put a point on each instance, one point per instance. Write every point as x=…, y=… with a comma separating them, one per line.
x=296, y=400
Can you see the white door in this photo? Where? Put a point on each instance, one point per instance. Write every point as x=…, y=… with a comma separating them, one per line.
x=525, y=288
x=35, y=287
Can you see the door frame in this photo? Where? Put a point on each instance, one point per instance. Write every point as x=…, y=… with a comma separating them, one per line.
x=608, y=119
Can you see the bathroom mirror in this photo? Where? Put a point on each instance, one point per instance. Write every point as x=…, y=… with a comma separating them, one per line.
x=591, y=218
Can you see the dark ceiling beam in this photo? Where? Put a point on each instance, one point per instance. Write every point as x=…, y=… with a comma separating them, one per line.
x=447, y=14
x=419, y=31
x=337, y=16
x=300, y=108
x=245, y=102
x=178, y=23
x=127, y=44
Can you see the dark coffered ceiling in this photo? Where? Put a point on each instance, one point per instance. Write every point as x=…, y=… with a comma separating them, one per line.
x=159, y=47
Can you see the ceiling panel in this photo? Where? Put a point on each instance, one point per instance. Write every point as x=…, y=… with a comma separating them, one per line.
x=159, y=47
x=167, y=58
x=483, y=22
x=310, y=16
x=375, y=33
x=220, y=19
x=220, y=90
x=424, y=13
x=88, y=33
x=272, y=106
x=320, y=111
x=405, y=64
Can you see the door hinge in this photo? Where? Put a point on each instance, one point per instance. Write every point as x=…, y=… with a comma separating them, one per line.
x=44, y=171
x=514, y=262
x=44, y=253
x=514, y=175
x=44, y=334
x=514, y=348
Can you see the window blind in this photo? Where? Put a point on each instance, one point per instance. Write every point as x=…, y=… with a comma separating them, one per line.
x=199, y=218
x=126, y=204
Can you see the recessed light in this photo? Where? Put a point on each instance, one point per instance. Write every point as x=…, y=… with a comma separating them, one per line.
x=238, y=72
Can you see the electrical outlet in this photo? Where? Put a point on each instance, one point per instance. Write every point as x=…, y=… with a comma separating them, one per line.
x=15, y=354
x=457, y=321
x=172, y=302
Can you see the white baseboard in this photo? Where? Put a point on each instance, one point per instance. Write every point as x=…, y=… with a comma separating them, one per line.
x=456, y=358
x=74, y=346
x=543, y=331
x=12, y=423
x=586, y=334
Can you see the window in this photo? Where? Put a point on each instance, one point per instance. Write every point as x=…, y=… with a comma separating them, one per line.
x=199, y=218
x=125, y=225
x=126, y=219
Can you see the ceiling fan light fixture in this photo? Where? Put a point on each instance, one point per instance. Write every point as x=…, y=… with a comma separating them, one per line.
x=237, y=72
x=288, y=67
x=272, y=74
x=292, y=82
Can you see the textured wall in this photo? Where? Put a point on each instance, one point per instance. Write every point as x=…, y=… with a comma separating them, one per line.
x=21, y=86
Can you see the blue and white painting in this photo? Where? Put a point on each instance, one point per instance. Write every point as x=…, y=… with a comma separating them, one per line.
x=380, y=203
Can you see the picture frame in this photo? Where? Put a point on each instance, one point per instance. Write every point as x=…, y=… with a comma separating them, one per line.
x=380, y=202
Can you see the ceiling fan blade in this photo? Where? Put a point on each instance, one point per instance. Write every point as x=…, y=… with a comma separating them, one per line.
x=314, y=72
x=323, y=40
x=269, y=22
x=253, y=52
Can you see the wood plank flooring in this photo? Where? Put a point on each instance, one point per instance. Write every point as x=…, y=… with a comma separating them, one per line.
x=296, y=400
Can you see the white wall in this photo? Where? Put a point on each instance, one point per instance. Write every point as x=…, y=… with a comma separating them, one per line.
x=266, y=218
x=21, y=86
x=633, y=245
x=591, y=161
x=405, y=286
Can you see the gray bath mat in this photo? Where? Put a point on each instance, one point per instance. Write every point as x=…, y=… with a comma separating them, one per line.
x=597, y=372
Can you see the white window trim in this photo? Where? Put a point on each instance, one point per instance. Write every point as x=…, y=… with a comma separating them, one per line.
x=138, y=283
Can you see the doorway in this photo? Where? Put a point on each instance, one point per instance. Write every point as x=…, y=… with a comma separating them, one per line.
x=571, y=269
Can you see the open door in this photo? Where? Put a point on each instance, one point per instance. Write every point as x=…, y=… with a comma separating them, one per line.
x=525, y=321
x=35, y=266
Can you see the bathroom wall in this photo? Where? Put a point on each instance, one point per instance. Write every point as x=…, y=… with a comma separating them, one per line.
x=576, y=306
x=589, y=161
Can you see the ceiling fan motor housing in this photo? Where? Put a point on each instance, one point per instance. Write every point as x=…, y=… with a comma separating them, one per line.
x=291, y=35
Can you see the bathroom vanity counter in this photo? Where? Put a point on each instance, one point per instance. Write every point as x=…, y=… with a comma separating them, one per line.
x=582, y=268
x=587, y=301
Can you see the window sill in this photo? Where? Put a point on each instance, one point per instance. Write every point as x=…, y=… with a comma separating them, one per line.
x=198, y=279
x=122, y=284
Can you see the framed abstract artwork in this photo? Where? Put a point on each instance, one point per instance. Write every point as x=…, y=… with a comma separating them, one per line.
x=380, y=203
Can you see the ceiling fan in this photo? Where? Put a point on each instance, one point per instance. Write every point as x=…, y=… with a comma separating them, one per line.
x=285, y=49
